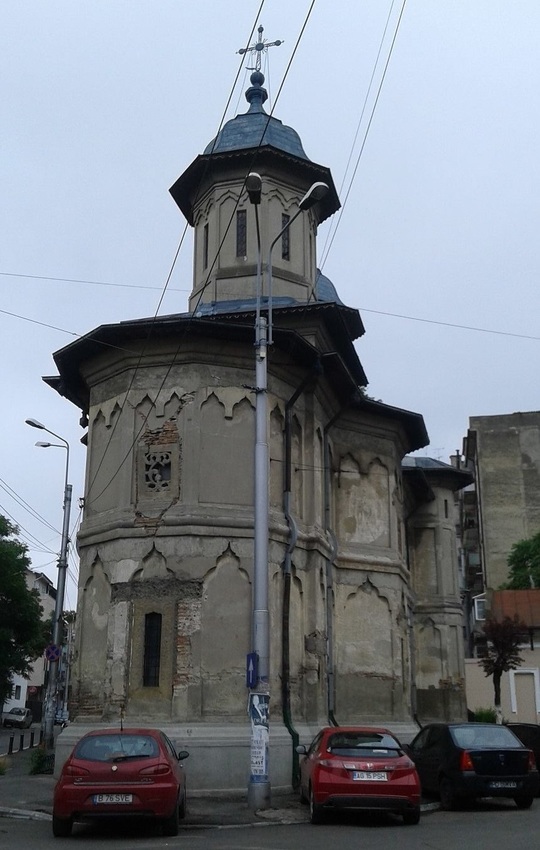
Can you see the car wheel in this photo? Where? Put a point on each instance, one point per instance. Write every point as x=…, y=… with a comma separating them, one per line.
x=182, y=807
x=447, y=795
x=170, y=826
x=411, y=818
x=316, y=811
x=523, y=801
x=61, y=827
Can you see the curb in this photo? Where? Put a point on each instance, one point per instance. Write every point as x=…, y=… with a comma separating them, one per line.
x=23, y=814
x=267, y=817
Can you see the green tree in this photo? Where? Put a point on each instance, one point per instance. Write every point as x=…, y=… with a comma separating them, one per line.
x=22, y=636
x=524, y=563
x=504, y=639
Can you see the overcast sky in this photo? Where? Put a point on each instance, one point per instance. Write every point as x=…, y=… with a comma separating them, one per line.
x=105, y=103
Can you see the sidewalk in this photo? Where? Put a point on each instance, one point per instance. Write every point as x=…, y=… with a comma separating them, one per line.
x=25, y=796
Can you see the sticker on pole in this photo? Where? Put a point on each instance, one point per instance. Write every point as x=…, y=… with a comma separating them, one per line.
x=252, y=669
x=258, y=713
x=53, y=652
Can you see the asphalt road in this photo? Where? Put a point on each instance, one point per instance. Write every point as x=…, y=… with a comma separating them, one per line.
x=486, y=826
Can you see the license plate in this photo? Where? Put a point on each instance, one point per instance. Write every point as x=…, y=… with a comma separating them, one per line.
x=503, y=784
x=370, y=775
x=99, y=799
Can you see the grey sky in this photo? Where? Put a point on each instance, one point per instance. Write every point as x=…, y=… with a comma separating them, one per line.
x=104, y=104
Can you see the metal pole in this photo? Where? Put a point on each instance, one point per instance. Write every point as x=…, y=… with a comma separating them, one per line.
x=58, y=624
x=47, y=724
x=259, y=697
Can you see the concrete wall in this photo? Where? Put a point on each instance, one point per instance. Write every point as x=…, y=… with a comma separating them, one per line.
x=438, y=620
x=508, y=485
x=520, y=688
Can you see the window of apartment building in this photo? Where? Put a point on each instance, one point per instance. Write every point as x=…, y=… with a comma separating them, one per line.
x=241, y=233
x=479, y=607
x=17, y=691
x=285, y=239
x=152, y=650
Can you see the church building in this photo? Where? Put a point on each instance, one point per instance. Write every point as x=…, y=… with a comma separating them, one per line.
x=364, y=604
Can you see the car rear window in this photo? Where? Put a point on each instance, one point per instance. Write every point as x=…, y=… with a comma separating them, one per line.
x=111, y=747
x=484, y=737
x=372, y=743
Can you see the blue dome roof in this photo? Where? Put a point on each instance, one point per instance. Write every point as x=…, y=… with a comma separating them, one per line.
x=256, y=128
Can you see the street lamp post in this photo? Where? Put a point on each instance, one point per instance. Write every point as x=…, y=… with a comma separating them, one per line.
x=47, y=724
x=259, y=698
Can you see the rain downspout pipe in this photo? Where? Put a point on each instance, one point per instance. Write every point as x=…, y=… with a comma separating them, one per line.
x=286, y=609
x=330, y=559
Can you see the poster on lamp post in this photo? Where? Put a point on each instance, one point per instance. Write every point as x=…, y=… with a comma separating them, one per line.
x=258, y=713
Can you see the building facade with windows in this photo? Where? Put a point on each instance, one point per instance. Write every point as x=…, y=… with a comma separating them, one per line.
x=500, y=508
x=28, y=692
x=358, y=606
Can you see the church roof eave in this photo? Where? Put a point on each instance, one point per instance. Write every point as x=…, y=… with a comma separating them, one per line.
x=255, y=159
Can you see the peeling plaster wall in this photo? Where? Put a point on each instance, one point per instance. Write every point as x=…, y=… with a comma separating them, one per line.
x=438, y=631
x=180, y=543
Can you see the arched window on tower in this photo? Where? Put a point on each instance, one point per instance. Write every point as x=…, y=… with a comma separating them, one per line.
x=152, y=650
x=285, y=239
x=241, y=233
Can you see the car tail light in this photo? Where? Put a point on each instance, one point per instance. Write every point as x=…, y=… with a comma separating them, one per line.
x=465, y=761
x=74, y=770
x=160, y=769
x=336, y=764
x=532, y=761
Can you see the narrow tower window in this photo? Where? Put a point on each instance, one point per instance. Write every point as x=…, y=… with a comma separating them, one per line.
x=285, y=240
x=152, y=650
x=241, y=229
x=205, y=247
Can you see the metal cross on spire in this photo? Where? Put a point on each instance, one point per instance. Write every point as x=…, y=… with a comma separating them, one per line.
x=259, y=48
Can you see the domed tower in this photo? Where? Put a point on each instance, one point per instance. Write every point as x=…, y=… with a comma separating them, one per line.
x=211, y=194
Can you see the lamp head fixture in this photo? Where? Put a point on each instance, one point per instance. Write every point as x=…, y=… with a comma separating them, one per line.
x=254, y=187
x=315, y=193
x=35, y=424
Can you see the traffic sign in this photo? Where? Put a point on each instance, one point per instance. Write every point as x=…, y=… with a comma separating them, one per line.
x=252, y=669
x=53, y=652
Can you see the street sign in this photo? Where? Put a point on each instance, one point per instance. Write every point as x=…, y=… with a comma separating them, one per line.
x=252, y=669
x=53, y=652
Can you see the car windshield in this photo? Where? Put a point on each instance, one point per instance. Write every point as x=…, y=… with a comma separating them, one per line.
x=116, y=747
x=372, y=743
x=17, y=711
x=484, y=737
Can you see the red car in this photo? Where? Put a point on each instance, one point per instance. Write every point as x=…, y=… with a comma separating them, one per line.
x=121, y=773
x=356, y=767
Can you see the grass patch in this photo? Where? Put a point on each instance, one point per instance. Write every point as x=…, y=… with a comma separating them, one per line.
x=3, y=766
x=485, y=715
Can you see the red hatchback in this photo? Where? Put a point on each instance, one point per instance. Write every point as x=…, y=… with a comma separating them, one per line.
x=356, y=767
x=121, y=773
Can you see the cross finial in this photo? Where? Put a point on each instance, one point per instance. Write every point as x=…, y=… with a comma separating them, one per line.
x=260, y=47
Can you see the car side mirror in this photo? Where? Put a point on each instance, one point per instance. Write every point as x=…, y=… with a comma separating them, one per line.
x=183, y=754
x=301, y=750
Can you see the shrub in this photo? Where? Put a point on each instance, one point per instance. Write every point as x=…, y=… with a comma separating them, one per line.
x=39, y=760
x=485, y=715
x=3, y=766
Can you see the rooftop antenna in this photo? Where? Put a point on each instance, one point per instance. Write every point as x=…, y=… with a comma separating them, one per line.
x=259, y=48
